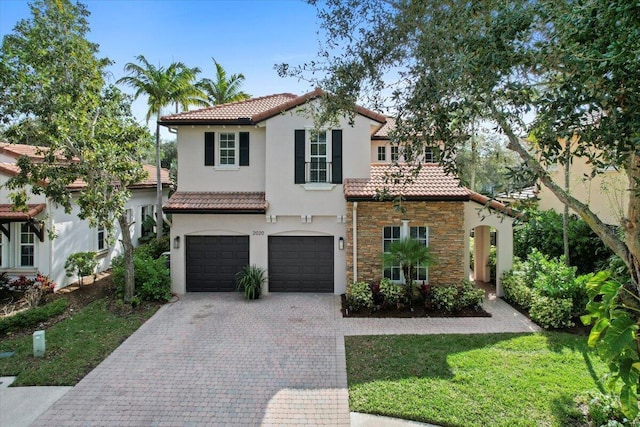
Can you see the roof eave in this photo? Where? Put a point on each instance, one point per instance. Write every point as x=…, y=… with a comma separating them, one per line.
x=213, y=211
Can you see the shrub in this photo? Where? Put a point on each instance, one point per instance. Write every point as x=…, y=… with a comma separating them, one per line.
x=543, y=231
x=551, y=312
x=152, y=277
x=32, y=317
x=249, y=280
x=22, y=283
x=359, y=295
x=155, y=247
x=392, y=293
x=514, y=286
x=81, y=264
x=469, y=295
x=604, y=410
x=555, y=279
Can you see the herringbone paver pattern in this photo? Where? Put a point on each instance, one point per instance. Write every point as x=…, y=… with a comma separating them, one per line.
x=215, y=359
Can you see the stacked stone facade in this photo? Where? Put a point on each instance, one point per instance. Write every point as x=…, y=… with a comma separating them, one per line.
x=445, y=220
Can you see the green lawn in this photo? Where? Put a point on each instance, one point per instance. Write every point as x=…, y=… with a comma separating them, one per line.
x=73, y=347
x=472, y=380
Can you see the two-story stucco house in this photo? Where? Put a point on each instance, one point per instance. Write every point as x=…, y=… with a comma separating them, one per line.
x=26, y=246
x=260, y=184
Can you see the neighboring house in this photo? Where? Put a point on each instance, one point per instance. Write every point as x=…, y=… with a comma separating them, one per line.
x=260, y=184
x=606, y=194
x=25, y=244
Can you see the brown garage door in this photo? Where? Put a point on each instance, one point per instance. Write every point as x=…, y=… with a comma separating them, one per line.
x=301, y=263
x=213, y=261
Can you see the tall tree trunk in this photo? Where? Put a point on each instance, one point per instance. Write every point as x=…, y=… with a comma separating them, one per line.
x=159, y=221
x=565, y=215
x=129, y=272
x=474, y=159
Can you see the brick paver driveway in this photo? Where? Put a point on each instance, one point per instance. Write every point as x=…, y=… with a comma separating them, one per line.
x=215, y=359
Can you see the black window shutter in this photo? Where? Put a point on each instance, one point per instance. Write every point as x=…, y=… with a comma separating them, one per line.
x=336, y=156
x=244, y=148
x=299, y=156
x=209, y=148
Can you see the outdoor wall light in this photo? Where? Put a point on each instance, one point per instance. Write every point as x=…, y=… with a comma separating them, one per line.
x=341, y=243
x=176, y=242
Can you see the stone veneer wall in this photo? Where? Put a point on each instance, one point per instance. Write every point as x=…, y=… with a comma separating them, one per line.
x=446, y=237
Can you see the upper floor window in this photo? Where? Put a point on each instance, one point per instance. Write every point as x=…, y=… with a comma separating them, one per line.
x=27, y=246
x=318, y=165
x=227, y=149
x=395, y=153
x=431, y=155
x=382, y=153
x=318, y=156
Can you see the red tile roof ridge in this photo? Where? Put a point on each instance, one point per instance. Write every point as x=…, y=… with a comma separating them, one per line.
x=7, y=211
x=492, y=203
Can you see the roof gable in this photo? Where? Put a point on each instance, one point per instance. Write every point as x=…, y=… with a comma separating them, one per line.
x=253, y=111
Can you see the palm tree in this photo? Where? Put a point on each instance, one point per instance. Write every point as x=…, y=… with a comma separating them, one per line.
x=163, y=87
x=223, y=90
x=408, y=253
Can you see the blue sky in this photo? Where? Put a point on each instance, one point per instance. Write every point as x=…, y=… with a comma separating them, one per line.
x=244, y=36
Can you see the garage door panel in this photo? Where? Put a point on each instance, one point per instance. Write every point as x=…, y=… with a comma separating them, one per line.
x=301, y=263
x=213, y=261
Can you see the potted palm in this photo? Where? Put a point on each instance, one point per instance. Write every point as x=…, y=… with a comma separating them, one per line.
x=249, y=280
x=408, y=253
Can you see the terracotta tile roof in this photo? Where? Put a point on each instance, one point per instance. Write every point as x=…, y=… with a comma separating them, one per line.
x=34, y=152
x=12, y=169
x=431, y=183
x=383, y=131
x=493, y=204
x=7, y=212
x=252, y=111
x=216, y=202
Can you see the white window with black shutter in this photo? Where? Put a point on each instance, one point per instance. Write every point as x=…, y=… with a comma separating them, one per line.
x=226, y=150
x=318, y=158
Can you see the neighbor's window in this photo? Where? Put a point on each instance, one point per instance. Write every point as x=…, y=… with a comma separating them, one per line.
x=227, y=149
x=395, y=153
x=318, y=169
x=430, y=155
x=27, y=246
x=147, y=220
x=382, y=154
x=102, y=239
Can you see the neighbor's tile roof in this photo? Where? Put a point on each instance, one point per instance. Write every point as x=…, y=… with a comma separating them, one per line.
x=430, y=183
x=34, y=152
x=7, y=212
x=383, y=131
x=252, y=110
x=18, y=150
x=216, y=202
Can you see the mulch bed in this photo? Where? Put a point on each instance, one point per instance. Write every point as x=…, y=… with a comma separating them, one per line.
x=418, y=310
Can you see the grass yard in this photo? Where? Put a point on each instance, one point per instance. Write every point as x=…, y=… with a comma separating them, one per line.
x=472, y=380
x=74, y=346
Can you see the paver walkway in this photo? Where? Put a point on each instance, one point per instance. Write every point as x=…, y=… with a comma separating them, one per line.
x=215, y=359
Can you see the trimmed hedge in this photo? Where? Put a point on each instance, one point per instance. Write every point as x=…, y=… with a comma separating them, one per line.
x=31, y=317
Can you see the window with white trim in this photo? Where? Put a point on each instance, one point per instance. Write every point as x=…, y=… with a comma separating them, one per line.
x=382, y=153
x=430, y=155
x=27, y=246
x=395, y=153
x=102, y=239
x=318, y=168
x=391, y=234
x=227, y=149
x=2, y=246
x=395, y=233
x=146, y=223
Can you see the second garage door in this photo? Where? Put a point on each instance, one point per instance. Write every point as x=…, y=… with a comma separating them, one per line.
x=213, y=261
x=301, y=263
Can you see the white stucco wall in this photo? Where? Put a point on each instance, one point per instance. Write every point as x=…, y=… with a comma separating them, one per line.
x=193, y=175
x=253, y=226
x=285, y=197
x=504, y=227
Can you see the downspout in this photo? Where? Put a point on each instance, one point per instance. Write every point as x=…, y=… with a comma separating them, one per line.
x=355, y=241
